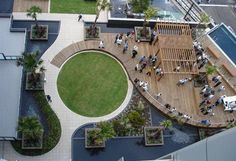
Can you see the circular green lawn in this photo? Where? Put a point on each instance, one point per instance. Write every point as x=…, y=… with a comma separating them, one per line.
x=92, y=84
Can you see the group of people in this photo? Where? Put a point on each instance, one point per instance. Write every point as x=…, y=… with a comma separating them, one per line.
x=202, y=58
x=141, y=84
x=174, y=111
x=183, y=81
x=208, y=93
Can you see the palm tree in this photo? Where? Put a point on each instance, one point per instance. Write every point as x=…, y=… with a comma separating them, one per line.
x=101, y=5
x=30, y=127
x=166, y=124
x=148, y=14
x=30, y=62
x=33, y=12
x=34, y=66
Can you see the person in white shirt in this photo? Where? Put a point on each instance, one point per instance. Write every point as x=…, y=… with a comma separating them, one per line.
x=101, y=45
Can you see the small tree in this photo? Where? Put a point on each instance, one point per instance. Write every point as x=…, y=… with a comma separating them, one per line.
x=166, y=124
x=204, y=18
x=30, y=127
x=33, y=13
x=210, y=69
x=138, y=6
x=31, y=64
x=148, y=14
x=101, y=5
x=136, y=119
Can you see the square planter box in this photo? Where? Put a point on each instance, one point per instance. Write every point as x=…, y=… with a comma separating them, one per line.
x=29, y=144
x=153, y=136
x=42, y=33
x=87, y=133
x=138, y=34
x=87, y=36
x=39, y=85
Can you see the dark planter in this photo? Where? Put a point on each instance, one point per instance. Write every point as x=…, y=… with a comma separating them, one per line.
x=34, y=82
x=32, y=144
x=88, y=35
x=153, y=136
x=200, y=80
x=39, y=34
x=139, y=35
x=89, y=139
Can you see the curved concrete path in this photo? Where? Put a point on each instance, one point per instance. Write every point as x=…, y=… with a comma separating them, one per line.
x=70, y=31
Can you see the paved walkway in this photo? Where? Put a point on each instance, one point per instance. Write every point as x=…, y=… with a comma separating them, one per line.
x=70, y=31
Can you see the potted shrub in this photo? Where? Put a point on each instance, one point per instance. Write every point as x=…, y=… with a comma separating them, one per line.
x=32, y=133
x=144, y=33
x=34, y=70
x=37, y=32
x=93, y=32
x=153, y=136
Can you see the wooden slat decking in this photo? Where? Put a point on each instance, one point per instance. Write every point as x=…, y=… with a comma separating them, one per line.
x=24, y=5
x=185, y=98
x=174, y=42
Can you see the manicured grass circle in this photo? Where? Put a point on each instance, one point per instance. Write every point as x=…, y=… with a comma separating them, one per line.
x=92, y=84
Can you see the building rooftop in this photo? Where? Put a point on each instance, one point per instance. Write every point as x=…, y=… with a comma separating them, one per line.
x=11, y=43
x=215, y=148
x=10, y=87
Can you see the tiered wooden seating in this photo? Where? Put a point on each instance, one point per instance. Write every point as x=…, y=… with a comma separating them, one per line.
x=213, y=51
x=231, y=70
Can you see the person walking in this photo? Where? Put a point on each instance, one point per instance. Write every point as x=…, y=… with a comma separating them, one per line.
x=177, y=69
x=222, y=88
x=116, y=38
x=217, y=84
x=101, y=45
x=80, y=17
x=134, y=51
x=158, y=95
x=125, y=46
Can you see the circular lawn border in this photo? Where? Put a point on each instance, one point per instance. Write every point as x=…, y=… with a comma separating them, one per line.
x=92, y=83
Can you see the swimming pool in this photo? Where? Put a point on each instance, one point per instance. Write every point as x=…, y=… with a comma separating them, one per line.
x=226, y=40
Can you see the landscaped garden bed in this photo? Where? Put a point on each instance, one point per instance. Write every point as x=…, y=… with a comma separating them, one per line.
x=39, y=33
x=132, y=120
x=153, y=136
x=141, y=35
x=51, y=137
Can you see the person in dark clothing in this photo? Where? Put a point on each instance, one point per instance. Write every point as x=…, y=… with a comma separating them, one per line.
x=49, y=98
x=79, y=17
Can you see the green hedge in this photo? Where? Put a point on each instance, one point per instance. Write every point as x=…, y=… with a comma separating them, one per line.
x=54, y=128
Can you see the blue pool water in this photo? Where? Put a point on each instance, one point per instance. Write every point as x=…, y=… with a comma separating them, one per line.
x=225, y=40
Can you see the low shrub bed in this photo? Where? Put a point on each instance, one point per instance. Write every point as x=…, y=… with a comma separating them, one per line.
x=53, y=135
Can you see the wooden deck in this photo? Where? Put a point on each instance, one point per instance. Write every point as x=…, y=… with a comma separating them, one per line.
x=184, y=98
x=24, y=5
x=174, y=43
